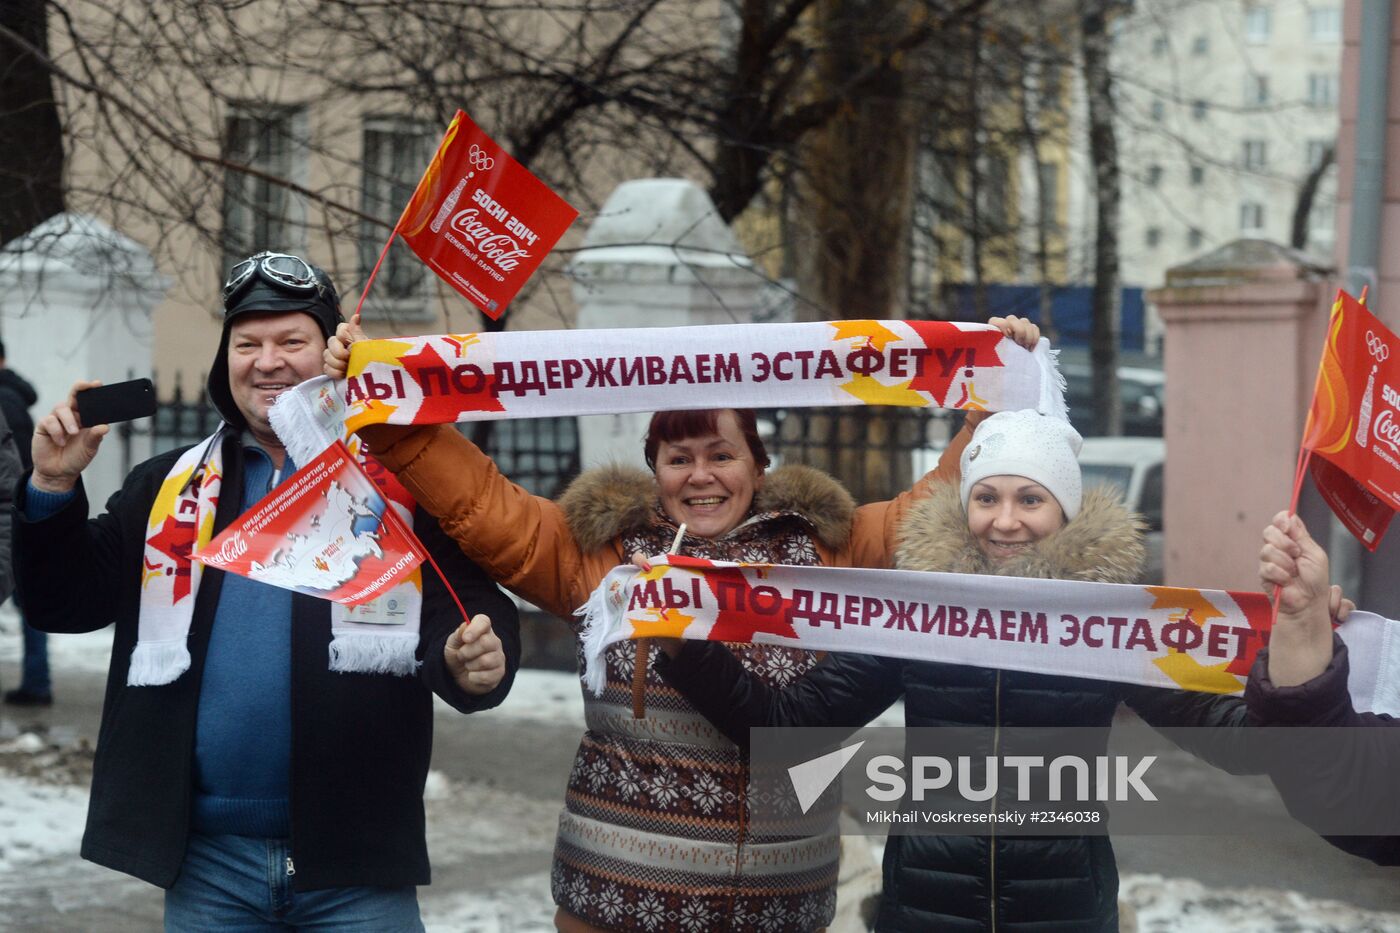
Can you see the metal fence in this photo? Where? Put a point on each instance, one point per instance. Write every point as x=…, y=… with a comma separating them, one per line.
x=541, y=454
x=179, y=420
x=875, y=451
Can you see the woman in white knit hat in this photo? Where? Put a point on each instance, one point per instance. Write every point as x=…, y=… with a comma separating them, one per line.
x=1019, y=510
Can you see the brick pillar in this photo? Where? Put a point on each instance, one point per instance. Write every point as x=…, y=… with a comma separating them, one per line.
x=1244, y=329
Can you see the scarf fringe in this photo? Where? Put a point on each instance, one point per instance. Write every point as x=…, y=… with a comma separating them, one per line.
x=297, y=427
x=594, y=634
x=1053, y=385
x=374, y=654
x=156, y=663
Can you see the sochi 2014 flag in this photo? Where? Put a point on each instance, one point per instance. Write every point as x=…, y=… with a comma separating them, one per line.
x=326, y=532
x=1157, y=636
x=1353, y=425
x=536, y=374
x=480, y=220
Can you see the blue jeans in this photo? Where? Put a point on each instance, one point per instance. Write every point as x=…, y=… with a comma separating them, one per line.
x=34, y=673
x=241, y=884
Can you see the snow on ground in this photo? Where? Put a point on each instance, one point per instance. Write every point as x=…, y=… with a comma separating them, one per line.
x=38, y=819
x=1176, y=905
x=523, y=906
x=88, y=652
x=466, y=820
x=544, y=696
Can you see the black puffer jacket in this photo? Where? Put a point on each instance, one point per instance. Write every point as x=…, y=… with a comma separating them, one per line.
x=1358, y=776
x=971, y=883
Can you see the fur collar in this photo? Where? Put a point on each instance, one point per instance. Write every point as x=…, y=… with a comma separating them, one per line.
x=608, y=502
x=1102, y=544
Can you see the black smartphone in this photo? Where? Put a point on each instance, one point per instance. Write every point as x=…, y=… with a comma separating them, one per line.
x=121, y=401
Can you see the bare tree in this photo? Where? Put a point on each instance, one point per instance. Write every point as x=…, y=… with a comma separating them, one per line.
x=31, y=164
x=1307, y=196
x=172, y=117
x=1103, y=152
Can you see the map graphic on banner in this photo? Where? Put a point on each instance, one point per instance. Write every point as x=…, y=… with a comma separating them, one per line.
x=326, y=532
x=480, y=219
x=1353, y=425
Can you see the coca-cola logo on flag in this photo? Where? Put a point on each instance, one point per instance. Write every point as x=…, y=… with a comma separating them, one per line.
x=230, y=549
x=480, y=220
x=1387, y=429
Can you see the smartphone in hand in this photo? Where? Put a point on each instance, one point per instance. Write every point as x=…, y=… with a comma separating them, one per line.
x=121, y=401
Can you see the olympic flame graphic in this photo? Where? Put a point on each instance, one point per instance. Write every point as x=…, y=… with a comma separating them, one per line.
x=1329, y=418
x=429, y=191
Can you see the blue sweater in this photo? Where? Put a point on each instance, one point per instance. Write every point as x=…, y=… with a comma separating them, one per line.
x=243, y=738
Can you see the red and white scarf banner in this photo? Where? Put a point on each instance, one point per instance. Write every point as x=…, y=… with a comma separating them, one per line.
x=1156, y=636
x=536, y=374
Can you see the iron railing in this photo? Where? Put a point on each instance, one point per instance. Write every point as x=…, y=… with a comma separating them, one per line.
x=876, y=452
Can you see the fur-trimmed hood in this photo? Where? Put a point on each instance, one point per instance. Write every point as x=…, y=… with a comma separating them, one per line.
x=608, y=502
x=1102, y=544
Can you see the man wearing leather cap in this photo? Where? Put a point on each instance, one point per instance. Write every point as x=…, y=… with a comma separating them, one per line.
x=242, y=728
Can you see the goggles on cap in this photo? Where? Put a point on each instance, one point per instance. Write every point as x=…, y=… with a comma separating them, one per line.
x=282, y=270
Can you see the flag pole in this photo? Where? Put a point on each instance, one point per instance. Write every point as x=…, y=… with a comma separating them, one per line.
x=1299, y=472
x=392, y=518
x=446, y=585
x=1304, y=458
x=639, y=667
x=373, y=272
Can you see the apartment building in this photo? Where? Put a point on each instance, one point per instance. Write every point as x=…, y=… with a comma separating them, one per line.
x=1226, y=108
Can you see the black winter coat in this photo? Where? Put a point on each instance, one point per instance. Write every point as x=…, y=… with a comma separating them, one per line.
x=1360, y=772
x=16, y=395
x=970, y=883
x=360, y=742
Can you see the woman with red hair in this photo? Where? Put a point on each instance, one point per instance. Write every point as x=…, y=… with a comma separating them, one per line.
x=653, y=835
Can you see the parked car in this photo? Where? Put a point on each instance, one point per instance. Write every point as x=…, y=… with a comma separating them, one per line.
x=1143, y=390
x=1133, y=465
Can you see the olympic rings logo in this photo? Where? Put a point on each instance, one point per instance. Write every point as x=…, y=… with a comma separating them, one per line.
x=479, y=159
x=1377, y=346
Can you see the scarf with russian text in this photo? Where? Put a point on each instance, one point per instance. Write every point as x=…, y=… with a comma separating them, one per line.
x=380, y=636
x=1155, y=636
x=535, y=374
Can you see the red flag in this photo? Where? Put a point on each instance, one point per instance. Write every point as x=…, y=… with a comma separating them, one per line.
x=327, y=531
x=480, y=220
x=1353, y=425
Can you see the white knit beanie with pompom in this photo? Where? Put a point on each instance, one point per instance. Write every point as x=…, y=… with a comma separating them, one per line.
x=1041, y=448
